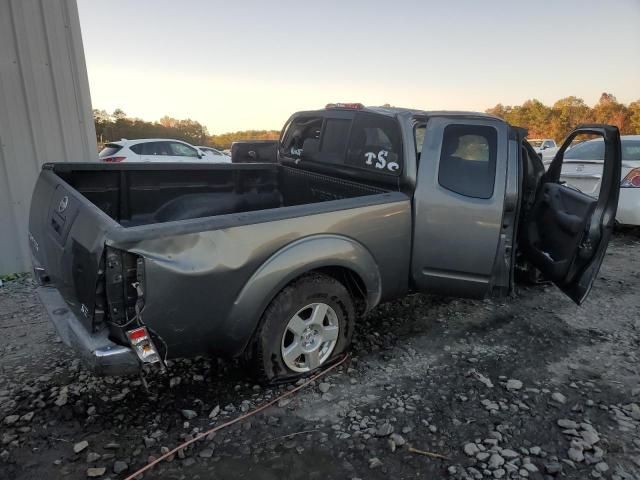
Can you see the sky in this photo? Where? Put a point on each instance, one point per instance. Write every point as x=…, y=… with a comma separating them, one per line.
x=250, y=64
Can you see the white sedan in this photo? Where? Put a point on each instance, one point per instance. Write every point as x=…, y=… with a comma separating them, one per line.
x=215, y=155
x=582, y=169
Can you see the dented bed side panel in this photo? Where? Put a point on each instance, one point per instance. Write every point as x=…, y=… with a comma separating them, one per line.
x=205, y=281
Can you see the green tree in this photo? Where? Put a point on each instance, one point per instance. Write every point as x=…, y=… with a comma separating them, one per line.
x=535, y=116
x=609, y=110
x=169, y=122
x=118, y=114
x=634, y=117
x=566, y=114
x=192, y=131
x=499, y=111
x=225, y=140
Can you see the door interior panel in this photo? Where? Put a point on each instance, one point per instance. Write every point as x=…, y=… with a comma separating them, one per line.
x=566, y=231
x=560, y=219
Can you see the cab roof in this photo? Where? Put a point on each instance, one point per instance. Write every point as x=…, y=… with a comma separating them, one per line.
x=403, y=112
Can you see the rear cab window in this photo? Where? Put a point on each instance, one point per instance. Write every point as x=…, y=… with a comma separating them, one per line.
x=300, y=130
x=334, y=140
x=375, y=144
x=357, y=140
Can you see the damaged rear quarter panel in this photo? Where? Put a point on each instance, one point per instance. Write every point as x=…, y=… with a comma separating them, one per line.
x=196, y=270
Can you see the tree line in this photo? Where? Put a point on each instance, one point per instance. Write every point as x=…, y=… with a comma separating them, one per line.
x=559, y=119
x=117, y=125
x=542, y=121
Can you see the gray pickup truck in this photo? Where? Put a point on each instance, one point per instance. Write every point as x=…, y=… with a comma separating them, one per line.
x=275, y=261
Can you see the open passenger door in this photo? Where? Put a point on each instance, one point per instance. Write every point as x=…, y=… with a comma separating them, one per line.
x=566, y=232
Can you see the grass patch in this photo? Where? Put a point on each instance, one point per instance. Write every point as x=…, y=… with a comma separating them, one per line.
x=13, y=276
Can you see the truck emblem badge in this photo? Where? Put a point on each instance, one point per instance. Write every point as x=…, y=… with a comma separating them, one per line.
x=83, y=308
x=64, y=203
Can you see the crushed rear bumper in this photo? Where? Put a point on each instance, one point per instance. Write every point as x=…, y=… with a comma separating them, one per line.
x=98, y=353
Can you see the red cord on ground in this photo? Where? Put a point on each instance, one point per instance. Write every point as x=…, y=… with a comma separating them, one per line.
x=237, y=419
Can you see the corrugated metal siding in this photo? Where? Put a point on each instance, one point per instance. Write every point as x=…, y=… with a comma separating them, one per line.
x=45, y=109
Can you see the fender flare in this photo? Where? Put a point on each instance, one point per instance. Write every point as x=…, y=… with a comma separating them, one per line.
x=288, y=263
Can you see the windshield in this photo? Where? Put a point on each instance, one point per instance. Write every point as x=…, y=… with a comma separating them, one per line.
x=591, y=150
x=594, y=150
x=212, y=151
x=535, y=143
x=631, y=150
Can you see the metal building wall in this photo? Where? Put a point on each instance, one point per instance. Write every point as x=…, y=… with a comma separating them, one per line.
x=45, y=109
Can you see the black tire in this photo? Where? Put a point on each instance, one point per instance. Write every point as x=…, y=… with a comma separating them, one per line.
x=315, y=287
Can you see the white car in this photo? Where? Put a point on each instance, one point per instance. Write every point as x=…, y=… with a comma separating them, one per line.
x=215, y=155
x=582, y=169
x=150, y=150
x=546, y=148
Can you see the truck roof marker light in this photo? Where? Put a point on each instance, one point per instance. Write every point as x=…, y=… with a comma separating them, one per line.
x=346, y=106
x=143, y=345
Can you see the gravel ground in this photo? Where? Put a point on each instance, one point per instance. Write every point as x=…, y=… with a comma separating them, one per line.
x=531, y=387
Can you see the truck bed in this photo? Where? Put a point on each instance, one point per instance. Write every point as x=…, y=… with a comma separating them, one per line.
x=203, y=242
x=144, y=194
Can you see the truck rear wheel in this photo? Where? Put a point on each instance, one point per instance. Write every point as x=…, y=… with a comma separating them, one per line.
x=306, y=325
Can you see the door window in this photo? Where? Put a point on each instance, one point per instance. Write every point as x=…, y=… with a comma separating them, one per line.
x=375, y=144
x=155, y=148
x=138, y=148
x=468, y=160
x=182, y=150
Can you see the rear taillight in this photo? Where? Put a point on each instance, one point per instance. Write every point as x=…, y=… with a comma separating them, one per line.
x=632, y=180
x=113, y=159
x=143, y=345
